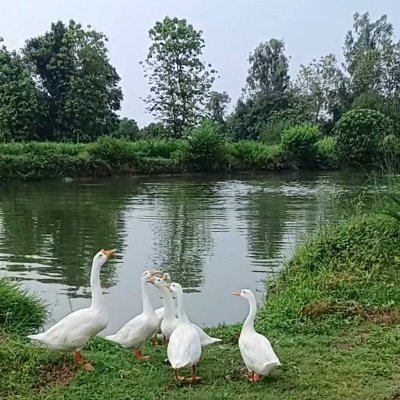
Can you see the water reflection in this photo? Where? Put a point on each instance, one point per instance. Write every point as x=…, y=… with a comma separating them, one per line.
x=62, y=225
x=214, y=235
x=183, y=236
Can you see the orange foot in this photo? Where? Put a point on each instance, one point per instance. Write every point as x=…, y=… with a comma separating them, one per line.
x=81, y=363
x=140, y=357
x=88, y=367
x=253, y=377
x=178, y=378
x=193, y=379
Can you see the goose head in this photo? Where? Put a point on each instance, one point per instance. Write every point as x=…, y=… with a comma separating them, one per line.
x=175, y=287
x=159, y=282
x=246, y=293
x=147, y=275
x=102, y=257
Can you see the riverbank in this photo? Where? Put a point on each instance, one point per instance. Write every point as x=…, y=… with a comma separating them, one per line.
x=110, y=157
x=333, y=318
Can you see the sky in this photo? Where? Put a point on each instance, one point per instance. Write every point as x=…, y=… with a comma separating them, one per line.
x=231, y=29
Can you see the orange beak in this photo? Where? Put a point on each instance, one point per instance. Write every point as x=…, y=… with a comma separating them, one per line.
x=165, y=276
x=168, y=286
x=109, y=253
x=236, y=293
x=155, y=273
x=151, y=280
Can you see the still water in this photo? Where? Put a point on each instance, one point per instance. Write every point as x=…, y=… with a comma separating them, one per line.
x=214, y=235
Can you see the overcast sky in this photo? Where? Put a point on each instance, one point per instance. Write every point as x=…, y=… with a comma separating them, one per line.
x=231, y=29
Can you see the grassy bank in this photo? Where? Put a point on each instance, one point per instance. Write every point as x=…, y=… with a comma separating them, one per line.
x=333, y=318
x=108, y=156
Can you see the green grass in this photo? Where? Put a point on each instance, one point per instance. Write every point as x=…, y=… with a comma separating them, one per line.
x=19, y=311
x=347, y=273
x=333, y=318
x=353, y=363
x=203, y=151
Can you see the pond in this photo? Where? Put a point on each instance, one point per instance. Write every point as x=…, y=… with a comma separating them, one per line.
x=213, y=234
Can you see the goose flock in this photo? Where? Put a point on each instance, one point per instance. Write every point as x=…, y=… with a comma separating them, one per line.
x=185, y=340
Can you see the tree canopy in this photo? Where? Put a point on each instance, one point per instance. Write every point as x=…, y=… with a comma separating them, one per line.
x=179, y=80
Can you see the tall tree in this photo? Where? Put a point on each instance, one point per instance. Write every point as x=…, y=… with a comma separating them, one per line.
x=267, y=90
x=368, y=50
x=127, y=129
x=179, y=80
x=216, y=106
x=321, y=82
x=366, y=36
x=268, y=75
x=78, y=83
x=21, y=107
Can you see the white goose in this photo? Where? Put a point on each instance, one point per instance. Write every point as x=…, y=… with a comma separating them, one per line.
x=169, y=322
x=184, y=347
x=160, y=315
x=256, y=350
x=75, y=330
x=134, y=334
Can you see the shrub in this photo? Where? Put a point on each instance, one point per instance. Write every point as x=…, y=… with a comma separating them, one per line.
x=205, y=146
x=299, y=144
x=326, y=152
x=19, y=311
x=255, y=155
x=112, y=150
x=370, y=101
x=156, y=147
x=360, y=133
x=272, y=131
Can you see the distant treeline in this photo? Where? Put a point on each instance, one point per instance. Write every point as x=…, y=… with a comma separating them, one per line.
x=61, y=87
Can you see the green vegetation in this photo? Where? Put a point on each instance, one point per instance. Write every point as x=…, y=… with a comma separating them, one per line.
x=204, y=150
x=346, y=275
x=299, y=143
x=61, y=87
x=333, y=317
x=19, y=310
x=360, y=135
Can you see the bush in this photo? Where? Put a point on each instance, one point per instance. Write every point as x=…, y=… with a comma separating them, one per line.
x=326, y=152
x=255, y=155
x=272, y=132
x=360, y=133
x=19, y=311
x=205, y=147
x=112, y=150
x=156, y=147
x=299, y=144
x=370, y=101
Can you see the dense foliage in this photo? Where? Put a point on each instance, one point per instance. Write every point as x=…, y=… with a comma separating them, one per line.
x=204, y=150
x=299, y=143
x=19, y=310
x=61, y=86
x=179, y=79
x=360, y=134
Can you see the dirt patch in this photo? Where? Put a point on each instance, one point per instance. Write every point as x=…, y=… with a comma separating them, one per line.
x=338, y=280
x=386, y=316
x=54, y=375
x=394, y=396
x=344, y=347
